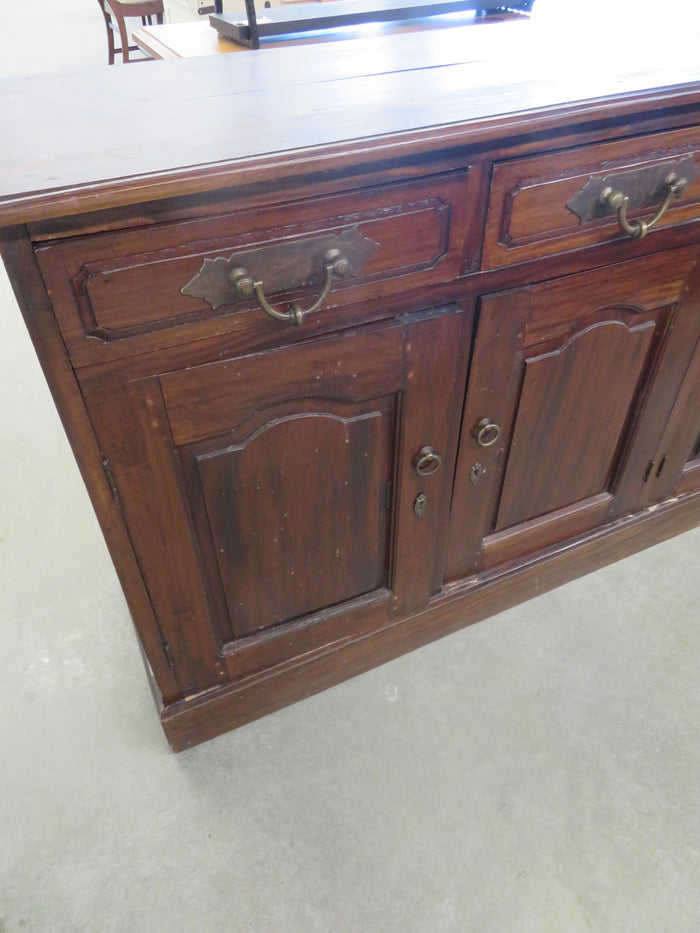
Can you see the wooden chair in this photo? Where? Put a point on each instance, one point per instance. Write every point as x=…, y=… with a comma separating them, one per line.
x=116, y=12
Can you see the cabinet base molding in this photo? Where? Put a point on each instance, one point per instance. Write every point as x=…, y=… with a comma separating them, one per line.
x=212, y=713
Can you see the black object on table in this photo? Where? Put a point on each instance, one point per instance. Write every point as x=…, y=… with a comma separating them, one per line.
x=313, y=17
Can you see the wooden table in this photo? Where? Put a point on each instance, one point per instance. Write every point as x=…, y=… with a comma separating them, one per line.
x=191, y=40
x=183, y=40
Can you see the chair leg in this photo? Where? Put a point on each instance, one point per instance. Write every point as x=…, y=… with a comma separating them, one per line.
x=124, y=34
x=110, y=37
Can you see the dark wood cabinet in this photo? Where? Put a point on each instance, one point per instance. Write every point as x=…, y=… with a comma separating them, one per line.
x=346, y=379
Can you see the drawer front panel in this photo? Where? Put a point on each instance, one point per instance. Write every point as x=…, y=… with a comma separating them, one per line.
x=543, y=205
x=123, y=293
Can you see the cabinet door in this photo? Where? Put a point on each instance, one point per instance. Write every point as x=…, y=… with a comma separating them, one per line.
x=690, y=481
x=679, y=450
x=571, y=385
x=272, y=498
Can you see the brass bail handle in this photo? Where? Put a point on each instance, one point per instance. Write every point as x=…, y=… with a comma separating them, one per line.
x=486, y=432
x=619, y=201
x=334, y=262
x=427, y=462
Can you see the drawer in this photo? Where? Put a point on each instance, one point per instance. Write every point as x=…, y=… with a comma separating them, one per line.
x=119, y=293
x=548, y=204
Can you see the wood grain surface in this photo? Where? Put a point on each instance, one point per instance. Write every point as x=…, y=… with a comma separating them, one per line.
x=228, y=113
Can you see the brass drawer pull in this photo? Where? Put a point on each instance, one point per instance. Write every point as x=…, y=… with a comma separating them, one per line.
x=637, y=229
x=486, y=432
x=275, y=267
x=427, y=462
x=335, y=263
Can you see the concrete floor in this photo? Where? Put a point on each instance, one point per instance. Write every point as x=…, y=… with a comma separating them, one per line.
x=537, y=773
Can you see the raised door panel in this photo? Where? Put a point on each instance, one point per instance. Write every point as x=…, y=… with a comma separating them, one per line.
x=568, y=426
x=297, y=511
x=571, y=384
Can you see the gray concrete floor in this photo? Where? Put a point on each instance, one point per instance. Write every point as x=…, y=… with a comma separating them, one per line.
x=538, y=772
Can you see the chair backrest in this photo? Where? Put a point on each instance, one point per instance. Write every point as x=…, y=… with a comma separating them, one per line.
x=116, y=12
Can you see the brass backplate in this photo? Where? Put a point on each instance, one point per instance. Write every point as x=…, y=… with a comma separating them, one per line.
x=645, y=187
x=281, y=267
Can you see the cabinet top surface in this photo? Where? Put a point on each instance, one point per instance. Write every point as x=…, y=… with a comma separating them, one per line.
x=113, y=136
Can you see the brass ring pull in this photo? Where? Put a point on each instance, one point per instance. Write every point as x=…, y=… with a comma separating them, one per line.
x=427, y=462
x=638, y=229
x=335, y=263
x=487, y=433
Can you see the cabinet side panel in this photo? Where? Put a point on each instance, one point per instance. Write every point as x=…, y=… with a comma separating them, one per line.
x=133, y=429
x=37, y=310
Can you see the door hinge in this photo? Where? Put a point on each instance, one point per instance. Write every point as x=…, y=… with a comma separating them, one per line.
x=168, y=654
x=650, y=468
x=384, y=495
x=110, y=479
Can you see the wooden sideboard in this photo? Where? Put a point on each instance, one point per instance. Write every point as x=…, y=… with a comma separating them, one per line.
x=350, y=362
